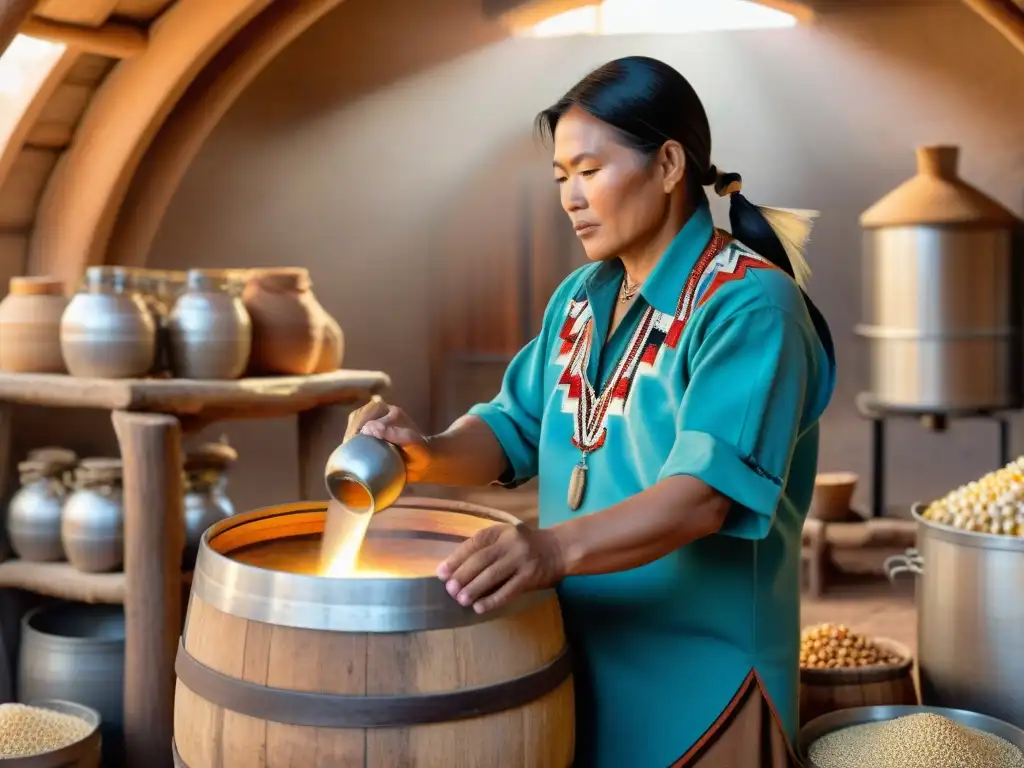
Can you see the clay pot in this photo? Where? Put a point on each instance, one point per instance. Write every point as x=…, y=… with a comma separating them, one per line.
x=30, y=326
x=833, y=492
x=287, y=322
x=209, y=328
x=107, y=330
x=332, y=352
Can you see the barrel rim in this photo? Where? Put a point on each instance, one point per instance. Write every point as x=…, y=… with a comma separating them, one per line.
x=972, y=539
x=28, y=629
x=338, y=604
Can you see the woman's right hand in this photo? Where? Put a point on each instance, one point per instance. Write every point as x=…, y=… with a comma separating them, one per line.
x=391, y=423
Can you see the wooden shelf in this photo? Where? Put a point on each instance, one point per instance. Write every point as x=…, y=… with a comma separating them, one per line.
x=150, y=416
x=63, y=581
x=242, y=398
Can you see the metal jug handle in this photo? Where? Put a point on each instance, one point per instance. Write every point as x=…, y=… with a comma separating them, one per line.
x=910, y=561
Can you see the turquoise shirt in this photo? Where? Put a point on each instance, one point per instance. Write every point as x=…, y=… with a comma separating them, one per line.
x=726, y=385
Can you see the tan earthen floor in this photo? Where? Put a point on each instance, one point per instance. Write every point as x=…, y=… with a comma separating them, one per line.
x=871, y=606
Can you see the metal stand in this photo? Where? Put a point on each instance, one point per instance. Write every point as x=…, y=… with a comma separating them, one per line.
x=937, y=422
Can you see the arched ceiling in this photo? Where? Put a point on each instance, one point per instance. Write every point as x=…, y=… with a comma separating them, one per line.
x=107, y=117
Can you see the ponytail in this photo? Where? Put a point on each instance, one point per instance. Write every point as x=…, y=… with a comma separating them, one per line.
x=778, y=234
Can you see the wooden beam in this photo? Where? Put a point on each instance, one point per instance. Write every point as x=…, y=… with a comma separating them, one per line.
x=801, y=11
x=204, y=104
x=13, y=14
x=1007, y=18
x=88, y=13
x=118, y=41
x=522, y=14
x=80, y=204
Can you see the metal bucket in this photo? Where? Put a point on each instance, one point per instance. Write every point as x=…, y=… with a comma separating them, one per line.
x=969, y=618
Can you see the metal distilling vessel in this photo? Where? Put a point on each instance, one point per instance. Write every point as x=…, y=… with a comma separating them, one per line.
x=942, y=311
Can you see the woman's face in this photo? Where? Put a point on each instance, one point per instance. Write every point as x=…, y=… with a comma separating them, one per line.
x=616, y=197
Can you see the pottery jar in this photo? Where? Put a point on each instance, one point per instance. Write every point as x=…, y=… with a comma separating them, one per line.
x=30, y=326
x=107, y=331
x=92, y=525
x=34, y=512
x=209, y=328
x=332, y=351
x=287, y=322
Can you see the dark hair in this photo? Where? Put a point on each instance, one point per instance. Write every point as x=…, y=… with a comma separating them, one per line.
x=648, y=103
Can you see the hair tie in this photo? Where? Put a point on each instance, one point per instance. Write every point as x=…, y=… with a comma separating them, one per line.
x=727, y=183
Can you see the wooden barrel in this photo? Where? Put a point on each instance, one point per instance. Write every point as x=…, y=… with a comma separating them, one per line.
x=827, y=690
x=281, y=668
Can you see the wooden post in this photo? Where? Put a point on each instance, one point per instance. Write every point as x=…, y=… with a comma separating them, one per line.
x=154, y=541
x=13, y=13
x=320, y=430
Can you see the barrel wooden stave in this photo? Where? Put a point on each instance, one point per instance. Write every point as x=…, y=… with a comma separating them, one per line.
x=537, y=735
x=829, y=690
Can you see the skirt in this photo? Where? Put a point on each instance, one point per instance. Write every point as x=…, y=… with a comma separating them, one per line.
x=748, y=734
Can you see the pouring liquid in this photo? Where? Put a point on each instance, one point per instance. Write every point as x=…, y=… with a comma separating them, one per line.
x=348, y=518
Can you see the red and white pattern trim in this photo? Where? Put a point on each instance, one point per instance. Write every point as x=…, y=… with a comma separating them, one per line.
x=722, y=261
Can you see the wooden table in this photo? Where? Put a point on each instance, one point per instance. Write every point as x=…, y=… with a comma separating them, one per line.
x=150, y=416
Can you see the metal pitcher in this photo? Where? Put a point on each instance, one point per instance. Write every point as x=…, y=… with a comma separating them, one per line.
x=365, y=474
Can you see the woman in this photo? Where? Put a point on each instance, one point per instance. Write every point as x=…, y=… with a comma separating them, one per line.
x=669, y=407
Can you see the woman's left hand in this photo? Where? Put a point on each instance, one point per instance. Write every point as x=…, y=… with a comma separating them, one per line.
x=500, y=563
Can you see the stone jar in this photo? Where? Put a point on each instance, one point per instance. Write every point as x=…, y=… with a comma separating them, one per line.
x=287, y=322
x=209, y=327
x=107, y=330
x=34, y=513
x=92, y=525
x=30, y=318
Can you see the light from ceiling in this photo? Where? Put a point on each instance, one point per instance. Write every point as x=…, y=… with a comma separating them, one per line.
x=22, y=62
x=668, y=17
x=24, y=67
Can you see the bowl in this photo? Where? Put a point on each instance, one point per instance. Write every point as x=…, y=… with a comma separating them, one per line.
x=845, y=718
x=84, y=753
x=833, y=493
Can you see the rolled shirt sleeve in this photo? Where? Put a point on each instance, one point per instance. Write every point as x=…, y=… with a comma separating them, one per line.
x=742, y=411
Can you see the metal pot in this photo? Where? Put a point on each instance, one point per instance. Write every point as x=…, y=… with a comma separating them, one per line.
x=210, y=330
x=34, y=513
x=108, y=331
x=75, y=651
x=92, y=526
x=203, y=508
x=970, y=618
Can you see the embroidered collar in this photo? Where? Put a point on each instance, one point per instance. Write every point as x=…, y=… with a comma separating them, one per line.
x=665, y=283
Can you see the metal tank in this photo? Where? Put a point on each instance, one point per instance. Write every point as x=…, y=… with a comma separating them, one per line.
x=941, y=307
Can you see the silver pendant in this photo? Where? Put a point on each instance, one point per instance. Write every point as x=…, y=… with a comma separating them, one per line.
x=578, y=484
